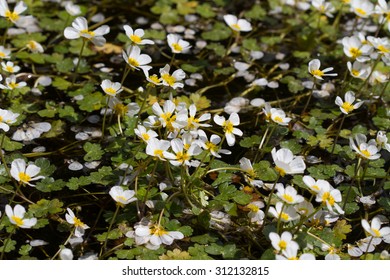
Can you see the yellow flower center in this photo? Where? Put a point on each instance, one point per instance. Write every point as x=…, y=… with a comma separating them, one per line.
x=168, y=79
x=121, y=198
x=348, y=107
x=383, y=49
x=236, y=26
x=293, y=258
x=355, y=72
x=355, y=52
x=110, y=91
x=365, y=153
x=2, y=55
x=25, y=178
x=1, y=119
x=136, y=39
x=228, y=127
x=87, y=33
x=18, y=221
x=280, y=170
x=360, y=11
x=154, y=79
x=317, y=72
x=145, y=136
x=182, y=157
x=210, y=146
x=158, y=153
x=31, y=45
x=253, y=208
x=278, y=119
x=133, y=62
x=9, y=69
x=78, y=223
x=12, y=16
x=158, y=230
x=315, y=187
x=284, y=216
x=282, y=244
x=177, y=47
x=120, y=109
x=13, y=85
x=288, y=198
x=327, y=197
x=376, y=232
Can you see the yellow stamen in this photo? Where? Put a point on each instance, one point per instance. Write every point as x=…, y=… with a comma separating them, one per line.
x=177, y=47
x=383, y=49
x=159, y=153
x=24, y=177
x=355, y=52
x=87, y=32
x=13, y=85
x=284, y=216
x=253, y=208
x=154, y=79
x=12, y=16
x=182, y=157
x=282, y=245
x=2, y=55
x=348, y=107
x=377, y=233
x=280, y=170
x=145, y=136
x=360, y=11
x=236, y=26
x=278, y=119
x=120, y=109
x=9, y=69
x=78, y=223
x=110, y=91
x=317, y=72
x=327, y=197
x=158, y=230
x=228, y=127
x=365, y=153
x=133, y=62
x=288, y=198
x=355, y=72
x=136, y=39
x=168, y=79
x=18, y=221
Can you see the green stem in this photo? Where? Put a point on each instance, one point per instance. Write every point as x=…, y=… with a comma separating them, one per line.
x=261, y=143
x=66, y=241
x=338, y=133
x=109, y=228
x=105, y=116
x=270, y=196
x=357, y=166
x=279, y=218
x=368, y=247
x=309, y=99
x=78, y=62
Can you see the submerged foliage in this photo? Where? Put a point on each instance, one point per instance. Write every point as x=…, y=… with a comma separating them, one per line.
x=177, y=129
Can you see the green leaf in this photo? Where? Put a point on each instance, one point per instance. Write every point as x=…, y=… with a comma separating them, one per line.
x=248, y=142
x=124, y=254
x=186, y=230
x=382, y=123
x=219, y=49
x=92, y=102
x=103, y=176
x=65, y=66
x=351, y=207
x=205, y=10
x=48, y=184
x=10, y=145
x=61, y=83
x=214, y=249
x=44, y=207
x=111, y=235
x=251, y=44
x=224, y=71
x=57, y=128
x=292, y=145
x=76, y=182
x=198, y=252
x=293, y=84
x=256, y=12
x=264, y=171
x=229, y=251
x=242, y=198
x=219, y=32
x=94, y=151
x=385, y=203
x=25, y=250
x=10, y=246
x=323, y=171
x=204, y=239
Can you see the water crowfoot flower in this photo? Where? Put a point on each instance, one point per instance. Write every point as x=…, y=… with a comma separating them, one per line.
x=347, y=106
x=80, y=29
x=80, y=227
x=237, y=24
x=211, y=145
x=228, y=127
x=111, y=88
x=135, y=59
x=24, y=174
x=10, y=67
x=181, y=155
x=330, y=196
x=177, y=44
x=283, y=213
x=10, y=83
x=6, y=118
x=287, y=163
x=173, y=80
x=121, y=196
x=136, y=36
x=288, y=194
x=281, y=242
x=314, y=69
x=16, y=216
x=366, y=150
x=255, y=214
x=155, y=235
x=375, y=229
x=13, y=16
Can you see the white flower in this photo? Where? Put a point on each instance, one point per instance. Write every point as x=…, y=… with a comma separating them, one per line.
x=181, y=155
x=276, y=115
x=381, y=141
x=382, y=45
x=153, y=80
x=246, y=166
x=347, y=106
x=287, y=163
x=283, y=241
x=378, y=77
x=168, y=117
x=80, y=227
x=314, y=69
x=255, y=214
x=6, y=118
x=330, y=196
x=72, y=9
x=136, y=36
x=156, y=235
x=288, y=194
x=366, y=150
x=362, y=8
x=177, y=44
x=235, y=105
x=10, y=67
x=111, y=88
x=314, y=186
x=16, y=216
x=228, y=127
x=173, y=80
x=4, y=53
x=304, y=208
x=193, y=123
x=80, y=29
x=157, y=148
x=66, y=254
x=121, y=196
x=354, y=48
x=13, y=16
x=324, y=7
x=121, y=109
x=31, y=131
x=211, y=145
x=375, y=229
x=24, y=174
x=291, y=253
x=359, y=70
x=237, y=24
x=135, y=59
x=284, y=213
x=10, y=83
x=145, y=134
x=34, y=47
